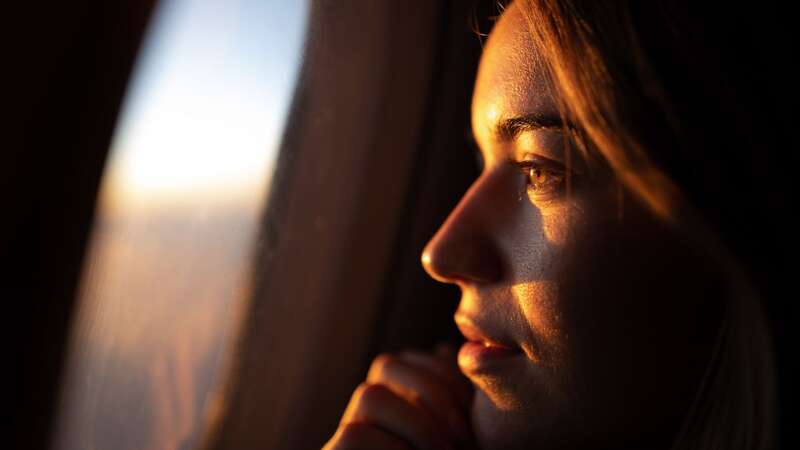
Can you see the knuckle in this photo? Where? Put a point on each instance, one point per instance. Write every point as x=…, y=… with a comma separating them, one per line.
x=369, y=395
x=381, y=364
x=353, y=433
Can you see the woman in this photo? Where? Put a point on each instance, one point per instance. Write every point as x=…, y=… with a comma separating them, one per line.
x=611, y=282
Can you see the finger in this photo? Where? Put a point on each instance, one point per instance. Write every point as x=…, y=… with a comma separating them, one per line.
x=419, y=386
x=363, y=436
x=378, y=405
x=448, y=373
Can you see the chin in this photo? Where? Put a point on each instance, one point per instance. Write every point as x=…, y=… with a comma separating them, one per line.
x=491, y=425
x=507, y=424
x=503, y=426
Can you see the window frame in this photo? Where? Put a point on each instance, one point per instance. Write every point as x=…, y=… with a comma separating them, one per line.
x=382, y=106
x=71, y=64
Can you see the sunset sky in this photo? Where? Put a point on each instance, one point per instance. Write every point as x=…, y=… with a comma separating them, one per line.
x=205, y=109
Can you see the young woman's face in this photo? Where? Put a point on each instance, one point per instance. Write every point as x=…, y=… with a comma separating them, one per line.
x=588, y=321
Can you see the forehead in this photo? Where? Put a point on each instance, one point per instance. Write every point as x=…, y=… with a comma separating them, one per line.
x=511, y=81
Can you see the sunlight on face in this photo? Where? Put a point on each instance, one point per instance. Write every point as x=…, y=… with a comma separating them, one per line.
x=594, y=305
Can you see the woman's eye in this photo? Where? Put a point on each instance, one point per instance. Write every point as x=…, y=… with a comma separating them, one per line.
x=543, y=177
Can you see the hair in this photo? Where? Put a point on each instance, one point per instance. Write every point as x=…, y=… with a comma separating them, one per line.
x=678, y=105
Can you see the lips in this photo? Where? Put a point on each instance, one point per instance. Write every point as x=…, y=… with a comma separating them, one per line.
x=473, y=332
x=484, y=351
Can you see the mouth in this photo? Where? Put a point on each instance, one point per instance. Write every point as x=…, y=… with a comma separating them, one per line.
x=483, y=351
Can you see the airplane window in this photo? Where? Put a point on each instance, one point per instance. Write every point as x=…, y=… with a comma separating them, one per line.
x=187, y=178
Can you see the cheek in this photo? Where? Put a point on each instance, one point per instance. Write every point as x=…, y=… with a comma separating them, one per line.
x=622, y=308
x=543, y=259
x=630, y=310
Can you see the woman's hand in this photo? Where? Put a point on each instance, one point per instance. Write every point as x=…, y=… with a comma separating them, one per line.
x=411, y=400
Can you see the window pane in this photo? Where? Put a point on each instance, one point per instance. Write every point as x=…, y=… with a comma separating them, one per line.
x=168, y=265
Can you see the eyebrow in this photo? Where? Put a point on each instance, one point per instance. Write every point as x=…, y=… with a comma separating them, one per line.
x=509, y=129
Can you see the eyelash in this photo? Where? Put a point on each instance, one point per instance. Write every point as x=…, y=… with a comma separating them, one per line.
x=543, y=177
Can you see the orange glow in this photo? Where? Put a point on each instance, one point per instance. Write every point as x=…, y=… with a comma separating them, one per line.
x=534, y=300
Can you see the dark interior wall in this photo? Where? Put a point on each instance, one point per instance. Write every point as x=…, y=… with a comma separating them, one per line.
x=68, y=66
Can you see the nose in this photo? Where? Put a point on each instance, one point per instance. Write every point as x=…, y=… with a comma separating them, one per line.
x=466, y=248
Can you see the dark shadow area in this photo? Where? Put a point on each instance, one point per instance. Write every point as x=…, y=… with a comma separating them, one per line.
x=69, y=67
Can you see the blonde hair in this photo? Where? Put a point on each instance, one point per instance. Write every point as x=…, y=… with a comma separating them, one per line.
x=595, y=56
